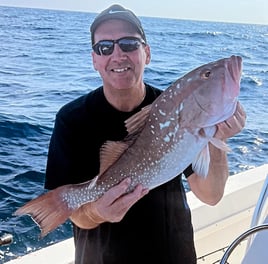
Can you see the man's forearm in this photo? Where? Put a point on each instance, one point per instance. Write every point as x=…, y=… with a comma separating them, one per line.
x=210, y=190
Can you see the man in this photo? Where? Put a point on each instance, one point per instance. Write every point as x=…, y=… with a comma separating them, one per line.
x=118, y=227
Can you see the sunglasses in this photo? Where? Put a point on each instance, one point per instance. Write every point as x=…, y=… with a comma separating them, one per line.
x=126, y=44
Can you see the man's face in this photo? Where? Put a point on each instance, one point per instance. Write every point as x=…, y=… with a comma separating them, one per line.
x=120, y=70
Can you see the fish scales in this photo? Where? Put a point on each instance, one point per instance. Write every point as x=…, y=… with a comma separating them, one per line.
x=164, y=139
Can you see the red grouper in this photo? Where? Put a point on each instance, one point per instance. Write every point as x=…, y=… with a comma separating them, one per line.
x=163, y=139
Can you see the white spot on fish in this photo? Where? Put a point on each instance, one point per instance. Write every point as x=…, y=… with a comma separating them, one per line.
x=162, y=112
x=164, y=125
x=167, y=139
x=171, y=134
x=179, y=109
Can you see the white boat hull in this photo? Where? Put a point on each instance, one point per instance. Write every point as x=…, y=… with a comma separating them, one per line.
x=215, y=227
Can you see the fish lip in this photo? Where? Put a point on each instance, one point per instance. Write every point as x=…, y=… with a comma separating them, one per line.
x=234, y=65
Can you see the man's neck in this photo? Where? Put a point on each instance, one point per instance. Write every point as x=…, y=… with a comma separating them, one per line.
x=126, y=100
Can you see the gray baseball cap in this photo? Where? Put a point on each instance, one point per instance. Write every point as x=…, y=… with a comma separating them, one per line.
x=117, y=12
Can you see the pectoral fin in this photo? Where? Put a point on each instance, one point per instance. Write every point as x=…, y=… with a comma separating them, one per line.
x=201, y=164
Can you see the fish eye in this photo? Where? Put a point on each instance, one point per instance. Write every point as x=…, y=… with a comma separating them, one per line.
x=206, y=74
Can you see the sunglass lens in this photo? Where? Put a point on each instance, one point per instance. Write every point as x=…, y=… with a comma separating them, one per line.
x=128, y=45
x=104, y=47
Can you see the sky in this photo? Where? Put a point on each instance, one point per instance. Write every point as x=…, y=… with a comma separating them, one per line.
x=238, y=11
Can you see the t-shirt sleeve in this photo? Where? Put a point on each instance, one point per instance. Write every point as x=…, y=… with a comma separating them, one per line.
x=188, y=171
x=59, y=157
x=72, y=145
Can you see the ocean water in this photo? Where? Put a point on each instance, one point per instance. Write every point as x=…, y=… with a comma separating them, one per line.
x=45, y=62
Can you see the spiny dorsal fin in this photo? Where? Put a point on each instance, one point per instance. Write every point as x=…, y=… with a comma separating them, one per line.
x=136, y=122
x=110, y=152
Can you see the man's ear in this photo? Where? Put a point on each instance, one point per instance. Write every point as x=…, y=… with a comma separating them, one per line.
x=148, y=54
x=95, y=64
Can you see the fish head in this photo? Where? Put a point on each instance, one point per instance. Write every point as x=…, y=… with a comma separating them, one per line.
x=214, y=90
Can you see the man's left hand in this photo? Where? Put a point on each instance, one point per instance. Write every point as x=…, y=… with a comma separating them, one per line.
x=232, y=125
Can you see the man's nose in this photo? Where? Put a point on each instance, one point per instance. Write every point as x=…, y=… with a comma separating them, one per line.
x=117, y=51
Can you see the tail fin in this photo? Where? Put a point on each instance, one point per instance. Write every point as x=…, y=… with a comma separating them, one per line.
x=48, y=210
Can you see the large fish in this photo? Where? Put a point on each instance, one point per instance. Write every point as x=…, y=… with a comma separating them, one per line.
x=163, y=139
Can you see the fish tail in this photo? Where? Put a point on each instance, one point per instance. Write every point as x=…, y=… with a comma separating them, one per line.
x=48, y=211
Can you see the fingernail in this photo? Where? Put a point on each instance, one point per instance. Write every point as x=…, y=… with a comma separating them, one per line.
x=145, y=191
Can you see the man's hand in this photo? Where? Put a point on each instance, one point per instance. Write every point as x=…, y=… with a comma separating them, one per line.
x=114, y=204
x=111, y=207
x=233, y=125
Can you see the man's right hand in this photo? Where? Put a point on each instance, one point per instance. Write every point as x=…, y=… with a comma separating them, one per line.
x=111, y=207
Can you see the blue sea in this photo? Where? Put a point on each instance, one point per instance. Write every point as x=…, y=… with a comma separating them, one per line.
x=45, y=62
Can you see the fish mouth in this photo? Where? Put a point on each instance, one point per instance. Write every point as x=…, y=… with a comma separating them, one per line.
x=235, y=67
x=233, y=78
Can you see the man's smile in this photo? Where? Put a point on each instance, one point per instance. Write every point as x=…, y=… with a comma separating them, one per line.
x=120, y=69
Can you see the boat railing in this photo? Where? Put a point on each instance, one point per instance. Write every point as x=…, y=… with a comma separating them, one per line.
x=261, y=210
x=240, y=239
x=255, y=251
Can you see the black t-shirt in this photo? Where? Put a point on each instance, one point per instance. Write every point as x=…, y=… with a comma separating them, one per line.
x=157, y=229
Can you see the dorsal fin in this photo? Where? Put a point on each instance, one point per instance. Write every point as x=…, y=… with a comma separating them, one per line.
x=110, y=152
x=135, y=123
